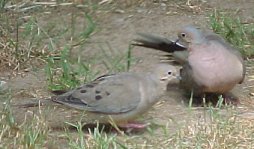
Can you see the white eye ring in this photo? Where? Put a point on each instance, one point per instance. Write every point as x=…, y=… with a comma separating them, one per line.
x=183, y=34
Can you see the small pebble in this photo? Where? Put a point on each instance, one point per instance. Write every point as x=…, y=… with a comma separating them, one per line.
x=119, y=11
x=163, y=5
x=3, y=86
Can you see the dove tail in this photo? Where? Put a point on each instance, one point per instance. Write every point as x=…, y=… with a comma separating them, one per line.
x=157, y=43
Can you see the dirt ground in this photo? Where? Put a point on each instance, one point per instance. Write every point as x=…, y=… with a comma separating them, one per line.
x=117, y=27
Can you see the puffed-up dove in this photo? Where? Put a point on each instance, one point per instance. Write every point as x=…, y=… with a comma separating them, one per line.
x=210, y=65
x=120, y=97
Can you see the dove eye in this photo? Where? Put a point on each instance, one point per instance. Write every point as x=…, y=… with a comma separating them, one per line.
x=183, y=34
x=169, y=73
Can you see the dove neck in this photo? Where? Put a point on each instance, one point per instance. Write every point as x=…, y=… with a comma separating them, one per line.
x=199, y=40
x=153, y=87
x=157, y=82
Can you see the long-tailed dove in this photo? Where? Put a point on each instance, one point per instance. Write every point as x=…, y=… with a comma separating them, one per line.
x=120, y=97
x=211, y=65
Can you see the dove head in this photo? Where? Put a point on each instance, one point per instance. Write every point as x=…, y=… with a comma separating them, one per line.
x=165, y=72
x=190, y=35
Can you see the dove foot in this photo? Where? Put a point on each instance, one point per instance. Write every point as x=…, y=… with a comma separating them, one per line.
x=212, y=99
x=133, y=125
x=130, y=127
x=230, y=99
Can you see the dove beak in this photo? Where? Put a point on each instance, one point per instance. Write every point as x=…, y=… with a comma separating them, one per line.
x=178, y=77
x=164, y=78
x=173, y=76
x=181, y=43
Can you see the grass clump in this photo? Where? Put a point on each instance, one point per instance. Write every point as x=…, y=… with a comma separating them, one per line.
x=63, y=73
x=95, y=138
x=216, y=131
x=238, y=33
x=30, y=134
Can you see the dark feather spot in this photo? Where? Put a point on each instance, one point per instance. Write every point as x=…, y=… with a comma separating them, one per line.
x=97, y=92
x=98, y=97
x=107, y=93
x=82, y=91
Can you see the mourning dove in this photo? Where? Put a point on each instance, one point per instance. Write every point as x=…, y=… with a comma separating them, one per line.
x=119, y=97
x=211, y=65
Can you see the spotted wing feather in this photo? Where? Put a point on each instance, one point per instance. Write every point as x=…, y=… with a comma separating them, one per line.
x=109, y=94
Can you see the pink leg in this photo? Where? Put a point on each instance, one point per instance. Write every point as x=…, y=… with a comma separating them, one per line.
x=133, y=125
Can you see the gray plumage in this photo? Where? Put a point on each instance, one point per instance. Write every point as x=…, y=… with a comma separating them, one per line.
x=121, y=96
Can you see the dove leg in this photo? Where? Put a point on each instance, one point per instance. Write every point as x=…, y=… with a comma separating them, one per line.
x=133, y=125
x=230, y=99
x=128, y=128
x=212, y=98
